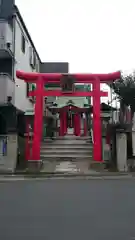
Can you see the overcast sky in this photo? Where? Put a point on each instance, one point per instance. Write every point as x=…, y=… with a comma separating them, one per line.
x=92, y=35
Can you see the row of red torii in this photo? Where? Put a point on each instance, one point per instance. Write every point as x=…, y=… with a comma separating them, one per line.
x=44, y=78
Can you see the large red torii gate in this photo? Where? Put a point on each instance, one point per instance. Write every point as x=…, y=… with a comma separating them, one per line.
x=43, y=78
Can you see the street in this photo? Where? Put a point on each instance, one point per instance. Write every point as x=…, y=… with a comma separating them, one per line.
x=68, y=209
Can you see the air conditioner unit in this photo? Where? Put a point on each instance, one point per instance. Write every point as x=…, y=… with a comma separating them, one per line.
x=9, y=99
x=8, y=44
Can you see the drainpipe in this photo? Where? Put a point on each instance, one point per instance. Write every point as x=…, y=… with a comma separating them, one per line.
x=14, y=59
x=111, y=104
x=13, y=37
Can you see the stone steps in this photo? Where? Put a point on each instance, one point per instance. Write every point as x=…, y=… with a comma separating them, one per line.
x=85, y=138
x=73, y=138
x=66, y=142
x=65, y=158
x=65, y=151
x=76, y=143
x=68, y=155
x=58, y=147
x=68, y=148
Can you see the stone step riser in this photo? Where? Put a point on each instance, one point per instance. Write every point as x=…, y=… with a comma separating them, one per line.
x=77, y=139
x=66, y=148
x=61, y=159
x=64, y=156
x=66, y=151
x=67, y=144
x=70, y=137
x=73, y=154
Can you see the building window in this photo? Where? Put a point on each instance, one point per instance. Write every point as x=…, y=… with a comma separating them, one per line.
x=27, y=89
x=23, y=44
x=32, y=57
x=37, y=67
x=34, y=60
x=30, y=87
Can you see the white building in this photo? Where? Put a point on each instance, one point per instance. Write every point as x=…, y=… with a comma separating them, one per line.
x=26, y=59
x=17, y=52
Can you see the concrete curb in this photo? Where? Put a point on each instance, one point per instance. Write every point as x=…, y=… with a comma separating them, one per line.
x=66, y=175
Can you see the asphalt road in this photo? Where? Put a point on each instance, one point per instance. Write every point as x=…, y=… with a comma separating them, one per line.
x=67, y=210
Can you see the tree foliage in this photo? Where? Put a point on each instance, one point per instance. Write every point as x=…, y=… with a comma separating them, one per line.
x=125, y=89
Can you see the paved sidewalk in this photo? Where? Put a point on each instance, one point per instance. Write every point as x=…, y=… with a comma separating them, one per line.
x=79, y=167
x=55, y=169
x=15, y=178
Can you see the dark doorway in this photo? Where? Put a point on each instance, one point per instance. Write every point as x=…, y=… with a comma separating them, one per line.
x=70, y=119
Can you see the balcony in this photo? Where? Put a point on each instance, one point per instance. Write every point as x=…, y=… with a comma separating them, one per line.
x=6, y=40
x=7, y=88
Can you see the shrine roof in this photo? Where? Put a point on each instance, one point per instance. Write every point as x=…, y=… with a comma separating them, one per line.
x=67, y=107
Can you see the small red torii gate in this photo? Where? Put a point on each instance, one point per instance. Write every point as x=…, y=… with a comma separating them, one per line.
x=43, y=78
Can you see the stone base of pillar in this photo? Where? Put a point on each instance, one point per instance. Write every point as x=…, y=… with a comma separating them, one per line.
x=34, y=166
x=121, y=149
x=98, y=166
x=133, y=142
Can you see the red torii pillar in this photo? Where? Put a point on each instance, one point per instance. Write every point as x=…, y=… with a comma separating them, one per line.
x=40, y=79
x=97, y=131
x=38, y=120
